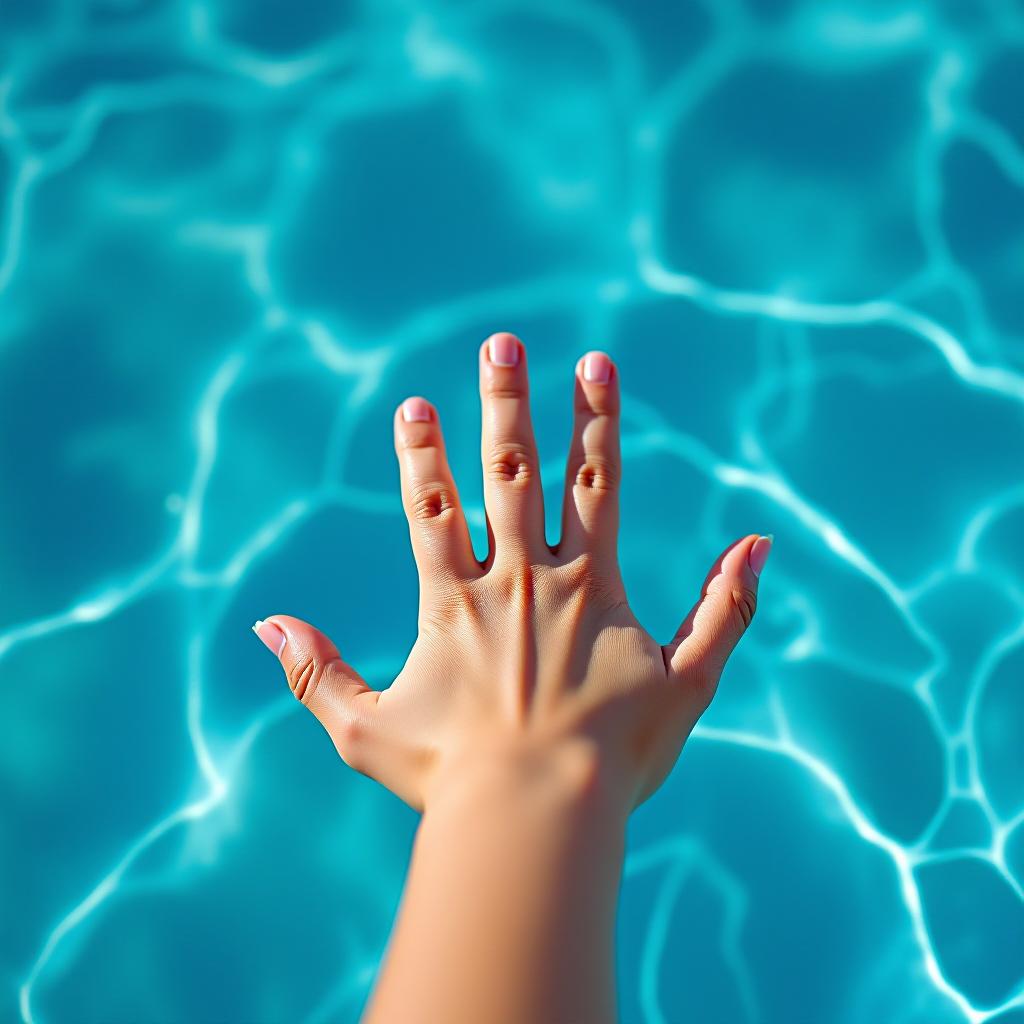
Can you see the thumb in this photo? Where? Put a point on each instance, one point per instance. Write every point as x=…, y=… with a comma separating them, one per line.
x=711, y=631
x=334, y=691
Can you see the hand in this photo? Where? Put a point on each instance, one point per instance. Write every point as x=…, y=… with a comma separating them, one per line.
x=531, y=658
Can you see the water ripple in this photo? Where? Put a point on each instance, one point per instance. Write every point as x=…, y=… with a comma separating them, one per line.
x=234, y=236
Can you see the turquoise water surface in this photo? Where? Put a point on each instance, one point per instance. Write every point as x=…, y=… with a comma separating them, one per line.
x=233, y=236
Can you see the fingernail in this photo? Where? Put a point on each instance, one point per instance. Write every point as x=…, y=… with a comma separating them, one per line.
x=597, y=368
x=416, y=410
x=271, y=635
x=759, y=553
x=503, y=350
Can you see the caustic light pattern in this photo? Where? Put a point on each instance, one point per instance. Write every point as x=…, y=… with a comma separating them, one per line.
x=233, y=236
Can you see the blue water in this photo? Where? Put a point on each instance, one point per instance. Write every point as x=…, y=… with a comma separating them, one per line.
x=233, y=236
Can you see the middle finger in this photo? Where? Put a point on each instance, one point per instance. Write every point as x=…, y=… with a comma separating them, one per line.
x=512, y=485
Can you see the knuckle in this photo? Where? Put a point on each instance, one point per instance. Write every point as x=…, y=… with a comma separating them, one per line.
x=591, y=578
x=443, y=610
x=744, y=600
x=454, y=608
x=579, y=573
x=514, y=584
x=303, y=677
x=512, y=464
x=500, y=386
x=430, y=501
x=597, y=474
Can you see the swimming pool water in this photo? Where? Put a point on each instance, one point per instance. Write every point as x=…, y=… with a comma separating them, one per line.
x=233, y=236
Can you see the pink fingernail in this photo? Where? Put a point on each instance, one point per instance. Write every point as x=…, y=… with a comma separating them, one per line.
x=271, y=635
x=503, y=350
x=416, y=410
x=759, y=553
x=597, y=368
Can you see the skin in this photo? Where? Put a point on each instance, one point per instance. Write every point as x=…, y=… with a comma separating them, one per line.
x=533, y=715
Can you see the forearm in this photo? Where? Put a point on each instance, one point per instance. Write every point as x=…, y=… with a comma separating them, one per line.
x=509, y=907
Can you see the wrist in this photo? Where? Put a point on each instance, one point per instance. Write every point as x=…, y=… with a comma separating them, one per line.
x=569, y=777
x=512, y=889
